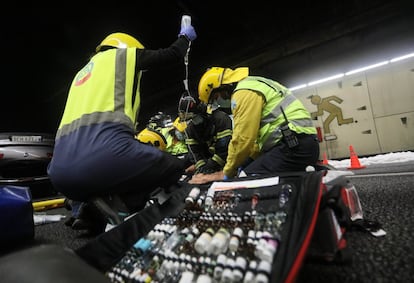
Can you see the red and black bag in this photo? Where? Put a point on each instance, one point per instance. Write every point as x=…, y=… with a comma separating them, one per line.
x=339, y=213
x=313, y=219
x=118, y=251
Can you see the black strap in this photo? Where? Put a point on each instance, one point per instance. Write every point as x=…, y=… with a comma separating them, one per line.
x=108, y=248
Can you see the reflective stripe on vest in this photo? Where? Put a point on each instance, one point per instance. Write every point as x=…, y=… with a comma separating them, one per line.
x=276, y=96
x=109, y=75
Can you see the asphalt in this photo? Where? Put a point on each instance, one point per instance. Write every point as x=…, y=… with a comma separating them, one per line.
x=386, y=193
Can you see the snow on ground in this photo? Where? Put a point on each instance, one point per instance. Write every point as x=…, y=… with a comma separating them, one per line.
x=392, y=157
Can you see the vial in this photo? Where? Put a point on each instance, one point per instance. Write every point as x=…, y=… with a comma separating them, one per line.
x=202, y=244
x=227, y=276
x=263, y=272
x=186, y=277
x=251, y=272
x=204, y=278
x=142, y=246
x=219, y=243
x=218, y=270
x=239, y=268
x=192, y=196
x=235, y=239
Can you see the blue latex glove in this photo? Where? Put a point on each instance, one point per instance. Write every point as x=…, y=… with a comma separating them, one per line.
x=188, y=32
x=225, y=178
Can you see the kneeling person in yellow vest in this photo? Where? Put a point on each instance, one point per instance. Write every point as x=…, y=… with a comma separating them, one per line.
x=96, y=155
x=169, y=139
x=273, y=132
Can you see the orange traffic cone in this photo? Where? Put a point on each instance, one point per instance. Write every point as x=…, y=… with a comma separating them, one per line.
x=325, y=160
x=354, y=159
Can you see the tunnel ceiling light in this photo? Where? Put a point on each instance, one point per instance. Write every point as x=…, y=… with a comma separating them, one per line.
x=298, y=87
x=399, y=58
x=367, y=68
x=402, y=57
x=326, y=79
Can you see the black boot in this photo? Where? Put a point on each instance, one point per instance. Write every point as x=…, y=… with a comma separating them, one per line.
x=89, y=219
x=111, y=208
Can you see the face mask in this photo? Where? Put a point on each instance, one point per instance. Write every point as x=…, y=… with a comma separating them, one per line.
x=223, y=103
x=179, y=135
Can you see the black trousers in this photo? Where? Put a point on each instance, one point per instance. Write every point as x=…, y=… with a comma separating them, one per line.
x=280, y=158
x=164, y=174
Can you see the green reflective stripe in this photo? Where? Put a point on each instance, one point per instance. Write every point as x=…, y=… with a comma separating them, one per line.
x=223, y=134
x=199, y=163
x=303, y=123
x=218, y=159
x=306, y=126
x=94, y=118
x=277, y=87
x=120, y=75
x=101, y=111
x=191, y=142
x=276, y=112
x=273, y=138
x=277, y=96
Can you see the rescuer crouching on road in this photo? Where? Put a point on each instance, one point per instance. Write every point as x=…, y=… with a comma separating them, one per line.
x=96, y=155
x=273, y=132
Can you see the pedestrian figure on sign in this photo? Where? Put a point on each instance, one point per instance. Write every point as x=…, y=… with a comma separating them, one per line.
x=324, y=104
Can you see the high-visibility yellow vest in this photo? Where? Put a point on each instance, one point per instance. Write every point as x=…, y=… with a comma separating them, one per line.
x=103, y=91
x=276, y=96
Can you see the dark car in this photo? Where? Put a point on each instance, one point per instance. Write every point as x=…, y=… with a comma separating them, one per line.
x=24, y=157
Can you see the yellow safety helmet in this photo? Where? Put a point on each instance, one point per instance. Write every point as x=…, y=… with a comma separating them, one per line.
x=180, y=126
x=215, y=77
x=152, y=137
x=120, y=40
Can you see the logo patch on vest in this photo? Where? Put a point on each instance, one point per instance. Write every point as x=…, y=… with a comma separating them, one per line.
x=84, y=74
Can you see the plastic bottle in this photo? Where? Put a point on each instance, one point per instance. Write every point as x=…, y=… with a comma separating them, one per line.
x=185, y=21
x=220, y=241
x=202, y=244
x=175, y=239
